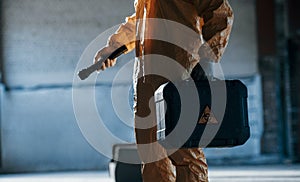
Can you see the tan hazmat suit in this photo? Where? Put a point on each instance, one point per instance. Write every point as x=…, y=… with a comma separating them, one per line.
x=199, y=30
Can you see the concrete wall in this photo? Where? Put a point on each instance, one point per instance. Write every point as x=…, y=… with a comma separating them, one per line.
x=240, y=58
x=42, y=43
x=40, y=132
x=43, y=39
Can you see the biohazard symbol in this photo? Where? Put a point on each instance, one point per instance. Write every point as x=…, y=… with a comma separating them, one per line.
x=208, y=117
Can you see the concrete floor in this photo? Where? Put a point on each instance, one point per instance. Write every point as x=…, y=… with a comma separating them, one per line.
x=278, y=173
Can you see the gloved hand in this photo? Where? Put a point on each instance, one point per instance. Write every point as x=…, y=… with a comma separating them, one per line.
x=105, y=52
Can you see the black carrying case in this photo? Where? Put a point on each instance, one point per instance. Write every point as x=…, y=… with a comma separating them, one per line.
x=222, y=130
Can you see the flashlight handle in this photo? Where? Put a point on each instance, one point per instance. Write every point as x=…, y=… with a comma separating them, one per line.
x=86, y=72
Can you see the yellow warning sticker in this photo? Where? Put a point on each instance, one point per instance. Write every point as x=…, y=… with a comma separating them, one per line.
x=208, y=117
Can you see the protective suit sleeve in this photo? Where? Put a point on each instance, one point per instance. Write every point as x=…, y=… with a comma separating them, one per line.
x=125, y=35
x=217, y=17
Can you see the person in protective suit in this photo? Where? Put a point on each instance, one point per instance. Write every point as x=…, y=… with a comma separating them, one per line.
x=211, y=21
